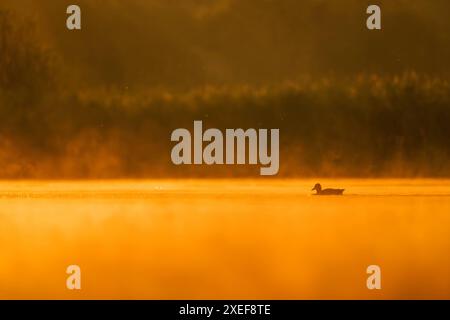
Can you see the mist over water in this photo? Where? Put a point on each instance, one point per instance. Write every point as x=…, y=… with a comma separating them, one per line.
x=222, y=239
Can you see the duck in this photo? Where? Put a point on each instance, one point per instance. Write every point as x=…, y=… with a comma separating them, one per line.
x=327, y=192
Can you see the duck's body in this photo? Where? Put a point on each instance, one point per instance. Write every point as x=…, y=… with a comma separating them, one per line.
x=327, y=192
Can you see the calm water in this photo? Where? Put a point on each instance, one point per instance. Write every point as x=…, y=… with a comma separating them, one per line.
x=252, y=239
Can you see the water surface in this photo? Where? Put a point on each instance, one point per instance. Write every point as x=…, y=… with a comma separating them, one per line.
x=205, y=239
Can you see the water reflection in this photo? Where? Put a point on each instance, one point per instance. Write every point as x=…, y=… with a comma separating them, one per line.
x=189, y=239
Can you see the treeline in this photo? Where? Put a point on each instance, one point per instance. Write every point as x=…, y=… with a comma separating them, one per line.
x=190, y=43
x=365, y=126
x=361, y=124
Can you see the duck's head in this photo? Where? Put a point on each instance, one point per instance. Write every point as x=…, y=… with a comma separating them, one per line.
x=317, y=187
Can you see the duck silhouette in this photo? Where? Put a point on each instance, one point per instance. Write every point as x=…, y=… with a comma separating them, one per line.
x=327, y=192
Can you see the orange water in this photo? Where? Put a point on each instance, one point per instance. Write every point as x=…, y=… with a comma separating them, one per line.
x=204, y=239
